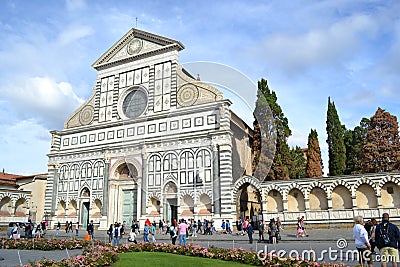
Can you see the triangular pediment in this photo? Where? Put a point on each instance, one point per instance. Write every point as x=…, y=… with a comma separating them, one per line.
x=134, y=45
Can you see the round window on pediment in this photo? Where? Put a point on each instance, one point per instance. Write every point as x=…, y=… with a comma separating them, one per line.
x=134, y=103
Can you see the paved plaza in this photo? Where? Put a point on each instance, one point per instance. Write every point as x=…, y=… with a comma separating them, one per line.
x=317, y=241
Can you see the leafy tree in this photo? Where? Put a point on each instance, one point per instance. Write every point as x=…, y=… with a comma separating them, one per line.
x=335, y=140
x=273, y=126
x=354, y=141
x=381, y=151
x=314, y=159
x=297, y=167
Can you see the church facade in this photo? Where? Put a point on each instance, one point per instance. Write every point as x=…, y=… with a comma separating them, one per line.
x=150, y=142
x=153, y=142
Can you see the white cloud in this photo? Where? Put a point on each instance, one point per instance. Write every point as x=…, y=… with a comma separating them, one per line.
x=23, y=153
x=74, y=33
x=73, y=5
x=319, y=46
x=41, y=97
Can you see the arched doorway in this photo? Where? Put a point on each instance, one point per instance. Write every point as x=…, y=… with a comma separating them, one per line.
x=248, y=203
x=85, y=205
x=127, y=174
x=170, y=196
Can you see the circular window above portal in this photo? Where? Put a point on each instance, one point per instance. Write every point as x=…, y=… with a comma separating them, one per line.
x=134, y=102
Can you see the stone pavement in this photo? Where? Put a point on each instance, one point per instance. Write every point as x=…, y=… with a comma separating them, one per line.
x=316, y=235
x=323, y=237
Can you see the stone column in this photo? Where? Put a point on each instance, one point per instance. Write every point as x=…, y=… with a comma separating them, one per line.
x=329, y=203
x=285, y=205
x=216, y=182
x=139, y=197
x=56, y=176
x=105, y=186
x=307, y=204
x=144, y=181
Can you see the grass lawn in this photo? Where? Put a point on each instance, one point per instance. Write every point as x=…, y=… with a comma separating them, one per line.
x=159, y=259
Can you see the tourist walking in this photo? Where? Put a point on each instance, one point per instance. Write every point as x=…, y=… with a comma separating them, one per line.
x=387, y=238
x=90, y=229
x=249, y=229
x=110, y=233
x=58, y=228
x=173, y=231
x=146, y=232
x=117, y=233
x=77, y=229
x=261, y=229
x=182, y=232
x=362, y=243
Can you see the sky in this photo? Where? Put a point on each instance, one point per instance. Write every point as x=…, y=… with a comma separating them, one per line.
x=307, y=50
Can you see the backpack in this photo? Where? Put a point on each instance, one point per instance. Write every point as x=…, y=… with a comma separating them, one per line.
x=116, y=232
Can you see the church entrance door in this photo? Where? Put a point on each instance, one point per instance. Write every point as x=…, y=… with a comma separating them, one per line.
x=85, y=214
x=129, y=205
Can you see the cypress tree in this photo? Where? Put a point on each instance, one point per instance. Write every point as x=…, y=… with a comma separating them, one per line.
x=274, y=125
x=314, y=159
x=381, y=151
x=335, y=140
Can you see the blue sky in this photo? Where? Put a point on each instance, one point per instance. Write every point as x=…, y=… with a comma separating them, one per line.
x=307, y=50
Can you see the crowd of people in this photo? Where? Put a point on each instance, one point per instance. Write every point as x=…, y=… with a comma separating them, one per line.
x=370, y=235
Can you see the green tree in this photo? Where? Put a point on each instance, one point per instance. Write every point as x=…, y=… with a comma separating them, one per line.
x=381, y=151
x=297, y=168
x=314, y=159
x=273, y=126
x=335, y=140
x=354, y=141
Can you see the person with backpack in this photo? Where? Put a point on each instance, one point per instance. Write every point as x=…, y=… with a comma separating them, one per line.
x=117, y=233
x=387, y=239
x=173, y=231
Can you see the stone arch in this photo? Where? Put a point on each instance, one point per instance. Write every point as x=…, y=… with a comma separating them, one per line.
x=72, y=208
x=97, y=206
x=292, y=186
x=61, y=208
x=20, y=207
x=204, y=204
x=85, y=191
x=5, y=205
x=170, y=186
x=274, y=187
x=245, y=179
x=318, y=199
x=342, y=183
x=153, y=206
x=274, y=201
x=296, y=200
x=366, y=196
x=128, y=163
x=314, y=185
x=187, y=204
x=201, y=192
x=390, y=195
x=387, y=179
x=247, y=196
x=367, y=181
x=341, y=197
x=152, y=194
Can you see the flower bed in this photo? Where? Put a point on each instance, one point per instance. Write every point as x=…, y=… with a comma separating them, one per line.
x=100, y=254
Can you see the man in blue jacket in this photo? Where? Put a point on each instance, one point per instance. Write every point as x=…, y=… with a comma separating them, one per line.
x=387, y=238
